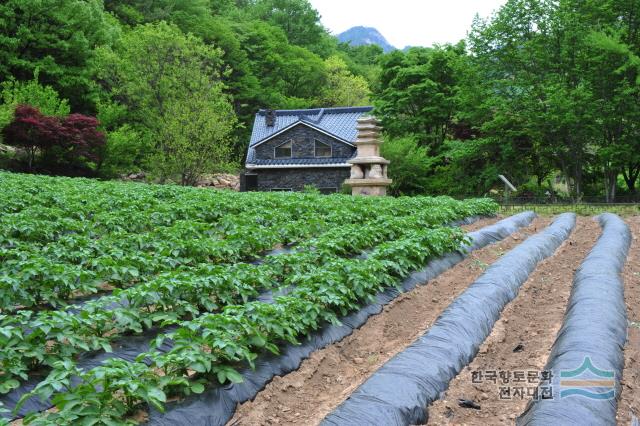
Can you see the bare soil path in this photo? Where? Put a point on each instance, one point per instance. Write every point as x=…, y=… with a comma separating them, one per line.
x=520, y=342
x=329, y=376
x=629, y=403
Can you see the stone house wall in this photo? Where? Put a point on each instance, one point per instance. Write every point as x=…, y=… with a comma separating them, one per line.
x=296, y=179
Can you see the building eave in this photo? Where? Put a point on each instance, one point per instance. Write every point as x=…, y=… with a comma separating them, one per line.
x=295, y=166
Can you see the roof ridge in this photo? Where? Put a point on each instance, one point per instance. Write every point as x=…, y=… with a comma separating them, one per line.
x=315, y=120
x=315, y=111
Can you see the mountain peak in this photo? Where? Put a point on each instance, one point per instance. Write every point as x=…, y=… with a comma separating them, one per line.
x=359, y=36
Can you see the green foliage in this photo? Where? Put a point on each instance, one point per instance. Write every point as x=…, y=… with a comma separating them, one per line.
x=170, y=86
x=342, y=87
x=482, y=155
x=124, y=151
x=362, y=60
x=562, y=80
x=311, y=189
x=541, y=87
x=538, y=89
x=56, y=37
x=213, y=344
x=195, y=136
x=128, y=146
x=298, y=19
x=155, y=64
x=582, y=209
x=410, y=165
x=44, y=98
x=416, y=93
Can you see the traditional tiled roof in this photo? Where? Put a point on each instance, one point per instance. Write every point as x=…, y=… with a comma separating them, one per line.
x=337, y=122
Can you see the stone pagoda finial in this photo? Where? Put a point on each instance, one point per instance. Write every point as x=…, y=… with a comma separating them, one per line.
x=368, y=168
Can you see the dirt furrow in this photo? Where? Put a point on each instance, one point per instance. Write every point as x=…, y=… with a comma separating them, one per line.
x=629, y=403
x=329, y=376
x=481, y=223
x=520, y=342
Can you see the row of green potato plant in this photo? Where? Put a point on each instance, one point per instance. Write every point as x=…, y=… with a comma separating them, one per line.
x=33, y=274
x=212, y=346
x=103, y=207
x=29, y=340
x=117, y=206
x=31, y=277
x=93, y=209
x=77, y=263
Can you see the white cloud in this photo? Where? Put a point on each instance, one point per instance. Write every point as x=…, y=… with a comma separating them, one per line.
x=407, y=22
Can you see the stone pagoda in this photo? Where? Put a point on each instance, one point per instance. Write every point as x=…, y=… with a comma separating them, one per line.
x=368, y=168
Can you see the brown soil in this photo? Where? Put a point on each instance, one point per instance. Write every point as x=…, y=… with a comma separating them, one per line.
x=329, y=376
x=629, y=403
x=530, y=324
x=481, y=223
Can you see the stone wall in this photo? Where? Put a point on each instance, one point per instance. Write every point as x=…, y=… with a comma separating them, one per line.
x=221, y=181
x=218, y=181
x=303, y=144
x=296, y=179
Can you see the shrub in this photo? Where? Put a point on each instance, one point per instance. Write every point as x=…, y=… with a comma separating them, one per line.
x=58, y=143
x=410, y=165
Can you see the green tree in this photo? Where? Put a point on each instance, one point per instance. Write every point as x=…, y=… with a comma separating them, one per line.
x=559, y=84
x=342, y=87
x=362, y=60
x=128, y=144
x=56, y=37
x=153, y=72
x=527, y=60
x=409, y=165
x=260, y=66
x=196, y=137
x=184, y=13
x=416, y=93
x=298, y=19
x=289, y=76
x=44, y=98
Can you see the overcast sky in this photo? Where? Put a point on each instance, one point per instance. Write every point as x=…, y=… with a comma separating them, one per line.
x=406, y=22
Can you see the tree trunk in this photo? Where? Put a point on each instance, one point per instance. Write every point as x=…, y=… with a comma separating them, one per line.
x=631, y=176
x=32, y=158
x=577, y=182
x=610, y=181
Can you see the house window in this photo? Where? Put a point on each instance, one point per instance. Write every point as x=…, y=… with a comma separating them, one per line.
x=283, y=150
x=322, y=149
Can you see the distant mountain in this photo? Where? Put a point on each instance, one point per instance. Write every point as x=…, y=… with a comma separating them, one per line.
x=358, y=36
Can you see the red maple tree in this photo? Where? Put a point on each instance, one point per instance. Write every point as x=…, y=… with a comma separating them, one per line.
x=75, y=137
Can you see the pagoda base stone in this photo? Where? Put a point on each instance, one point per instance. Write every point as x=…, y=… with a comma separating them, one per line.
x=368, y=186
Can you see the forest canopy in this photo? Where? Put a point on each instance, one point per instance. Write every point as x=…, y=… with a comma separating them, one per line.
x=544, y=92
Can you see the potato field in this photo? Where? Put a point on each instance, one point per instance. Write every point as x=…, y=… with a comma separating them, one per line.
x=126, y=303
